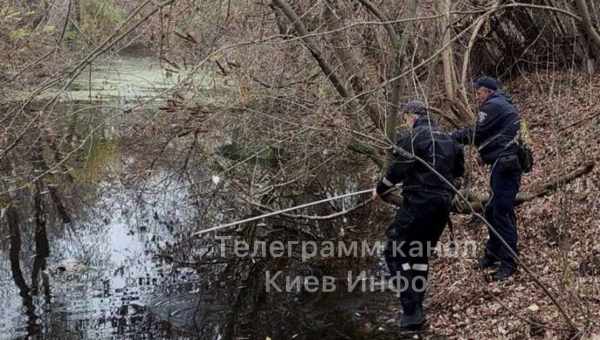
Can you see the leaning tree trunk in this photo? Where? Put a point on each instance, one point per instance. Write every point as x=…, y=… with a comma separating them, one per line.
x=282, y=8
x=588, y=25
x=591, y=33
x=477, y=201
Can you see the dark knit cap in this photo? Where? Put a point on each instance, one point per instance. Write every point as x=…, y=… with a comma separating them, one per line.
x=416, y=107
x=487, y=82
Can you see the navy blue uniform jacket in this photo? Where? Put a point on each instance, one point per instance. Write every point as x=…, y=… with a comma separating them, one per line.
x=497, y=125
x=437, y=149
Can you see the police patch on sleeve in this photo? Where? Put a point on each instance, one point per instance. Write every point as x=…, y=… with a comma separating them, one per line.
x=482, y=116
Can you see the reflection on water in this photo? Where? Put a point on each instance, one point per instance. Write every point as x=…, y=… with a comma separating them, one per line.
x=105, y=280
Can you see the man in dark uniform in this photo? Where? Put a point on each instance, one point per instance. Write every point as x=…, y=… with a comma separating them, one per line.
x=495, y=137
x=420, y=220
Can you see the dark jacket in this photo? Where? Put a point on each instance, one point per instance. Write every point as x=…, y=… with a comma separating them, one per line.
x=497, y=126
x=436, y=148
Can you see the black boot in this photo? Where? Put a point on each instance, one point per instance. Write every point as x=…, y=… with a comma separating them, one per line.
x=486, y=261
x=412, y=319
x=504, y=272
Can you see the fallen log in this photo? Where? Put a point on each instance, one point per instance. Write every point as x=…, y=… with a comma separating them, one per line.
x=478, y=200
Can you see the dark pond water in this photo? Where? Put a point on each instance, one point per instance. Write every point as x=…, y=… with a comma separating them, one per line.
x=104, y=279
x=106, y=275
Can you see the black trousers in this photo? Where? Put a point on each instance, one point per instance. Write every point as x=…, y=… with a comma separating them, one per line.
x=500, y=211
x=412, y=236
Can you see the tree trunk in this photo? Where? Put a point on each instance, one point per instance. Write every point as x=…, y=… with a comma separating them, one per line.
x=42, y=247
x=588, y=25
x=398, y=47
x=478, y=201
x=301, y=31
x=13, y=221
x=444, y=7
x=354, y=79
x=281, y=7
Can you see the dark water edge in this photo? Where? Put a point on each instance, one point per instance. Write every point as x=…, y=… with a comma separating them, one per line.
x=104, y=279
x=108, y=270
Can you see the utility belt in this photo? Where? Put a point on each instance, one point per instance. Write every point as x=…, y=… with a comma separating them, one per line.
x=521, y=159
x=508, y=163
